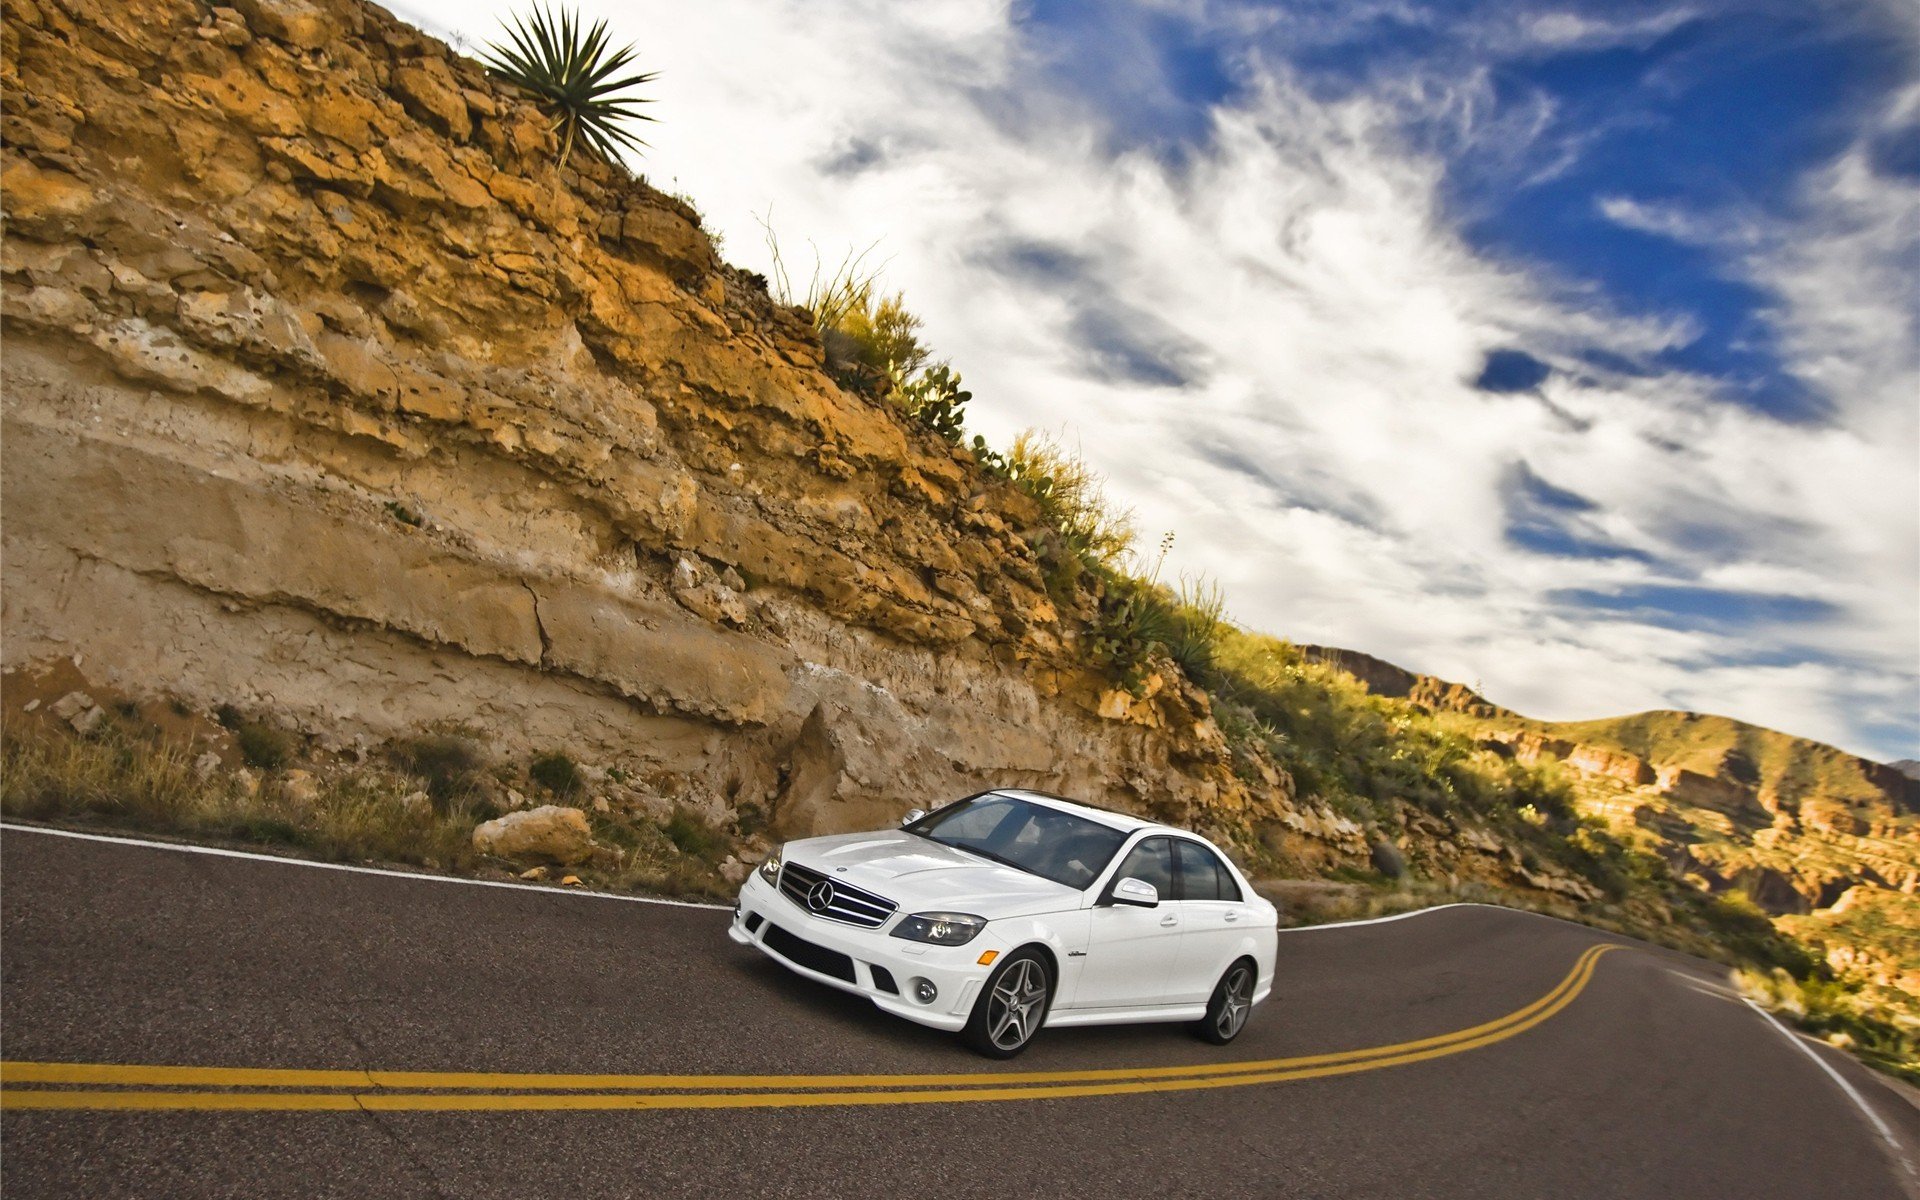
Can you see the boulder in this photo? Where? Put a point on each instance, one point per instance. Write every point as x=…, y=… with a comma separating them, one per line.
x=1565, y=885
x=295, y=22
x=300, y=787
x=1388, y=860
x=79, y=710
x=549, y=833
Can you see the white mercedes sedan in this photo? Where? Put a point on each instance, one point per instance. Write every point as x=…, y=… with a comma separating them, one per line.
x=1011, y=910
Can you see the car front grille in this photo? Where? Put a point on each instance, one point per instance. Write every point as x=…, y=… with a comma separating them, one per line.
x=839, y=902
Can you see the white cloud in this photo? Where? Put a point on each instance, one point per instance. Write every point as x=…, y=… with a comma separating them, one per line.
x=1328, y=458
x=1568, y=30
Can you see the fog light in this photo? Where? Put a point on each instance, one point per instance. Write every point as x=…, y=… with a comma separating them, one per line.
x=924, y=991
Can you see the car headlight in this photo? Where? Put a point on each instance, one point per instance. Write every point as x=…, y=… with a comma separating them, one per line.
x=770, y=869
x=940, y=928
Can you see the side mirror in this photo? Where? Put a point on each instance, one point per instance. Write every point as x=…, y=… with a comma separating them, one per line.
x=913, y=814
x=1136, y=892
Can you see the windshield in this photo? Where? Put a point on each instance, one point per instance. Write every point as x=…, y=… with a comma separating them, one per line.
x=1032, y=837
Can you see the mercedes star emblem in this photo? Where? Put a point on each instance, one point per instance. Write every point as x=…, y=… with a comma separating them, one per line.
x=820, y=896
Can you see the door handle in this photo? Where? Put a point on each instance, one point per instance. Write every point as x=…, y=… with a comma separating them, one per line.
x=1233, y=916
x=1169, y=919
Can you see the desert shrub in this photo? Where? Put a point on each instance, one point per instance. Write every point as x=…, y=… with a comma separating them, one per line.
x=1545, y=789
x=263, y=745
x=556, y=772
x=692, y=835
x=1250, y=737
x=884, y=332
x=870, y=334
x=450, y=764
x=1593, y=853
x=1071, y=496
x=1741, y=928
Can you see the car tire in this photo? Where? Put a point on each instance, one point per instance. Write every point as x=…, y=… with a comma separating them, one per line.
x=1012, y=1006
x=1230, y=1005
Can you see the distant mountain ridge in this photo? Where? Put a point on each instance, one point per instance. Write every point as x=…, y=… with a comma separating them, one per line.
x=1742, y=754
x=1825, y=841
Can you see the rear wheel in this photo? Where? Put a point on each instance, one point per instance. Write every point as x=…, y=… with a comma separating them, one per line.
x=1231, y=1004
x=1011, y=1007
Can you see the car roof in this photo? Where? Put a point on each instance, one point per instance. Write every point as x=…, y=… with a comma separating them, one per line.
x=1125, y=822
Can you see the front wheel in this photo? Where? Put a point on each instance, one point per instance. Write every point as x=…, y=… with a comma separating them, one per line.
x=1011, y=1007
x=1231, y=1004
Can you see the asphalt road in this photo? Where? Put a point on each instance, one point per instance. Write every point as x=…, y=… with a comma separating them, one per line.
x=1631, y=1074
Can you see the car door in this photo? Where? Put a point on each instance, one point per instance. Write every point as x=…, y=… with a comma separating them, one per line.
x=1132, y=951
x=1214, y=915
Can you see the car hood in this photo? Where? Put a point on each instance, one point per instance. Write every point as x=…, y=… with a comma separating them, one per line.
x=920, y=874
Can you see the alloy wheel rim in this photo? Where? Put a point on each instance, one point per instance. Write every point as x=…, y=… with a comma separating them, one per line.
x=1236, y=1003
x=1016, y=1005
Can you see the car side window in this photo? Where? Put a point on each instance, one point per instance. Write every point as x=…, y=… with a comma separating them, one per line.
x=1203, y=876
x=1150, y=862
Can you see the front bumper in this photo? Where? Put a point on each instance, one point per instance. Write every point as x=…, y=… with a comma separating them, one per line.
x=955, y=971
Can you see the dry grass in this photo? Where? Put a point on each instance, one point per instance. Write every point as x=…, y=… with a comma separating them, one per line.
x=126, y=779
x=119, y=778
x=1072, y=495
x=847, y=299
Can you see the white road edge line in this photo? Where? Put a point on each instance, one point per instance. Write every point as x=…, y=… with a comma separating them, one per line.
x=1879, y=1123
x=1421, y=912
x=287, y=860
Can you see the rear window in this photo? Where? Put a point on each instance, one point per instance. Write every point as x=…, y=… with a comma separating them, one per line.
x=1202, y=875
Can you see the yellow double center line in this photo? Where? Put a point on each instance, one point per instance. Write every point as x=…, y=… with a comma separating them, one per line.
x=52, y=1085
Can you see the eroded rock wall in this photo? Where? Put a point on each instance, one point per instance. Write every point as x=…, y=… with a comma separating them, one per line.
x=327, y=394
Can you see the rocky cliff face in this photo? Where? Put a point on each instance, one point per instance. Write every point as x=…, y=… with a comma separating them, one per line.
x=328, y=395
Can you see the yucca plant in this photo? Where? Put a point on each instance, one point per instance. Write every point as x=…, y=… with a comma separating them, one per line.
x=573, y=71
x=1198, y=614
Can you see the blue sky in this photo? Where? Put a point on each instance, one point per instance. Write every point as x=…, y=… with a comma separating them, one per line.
x=1570, y=349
